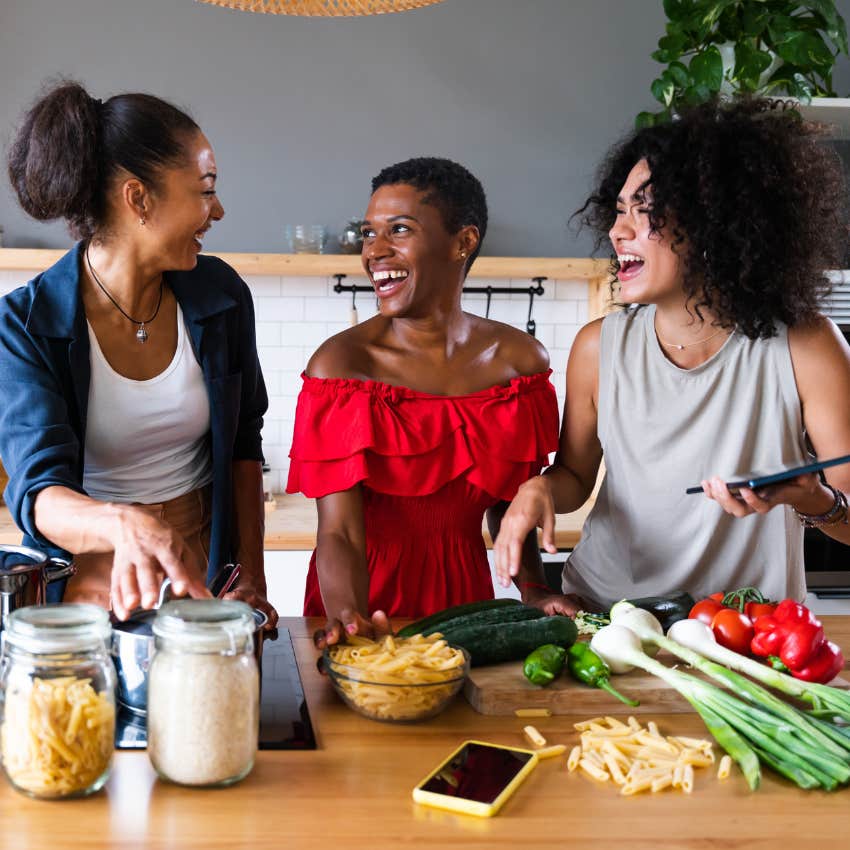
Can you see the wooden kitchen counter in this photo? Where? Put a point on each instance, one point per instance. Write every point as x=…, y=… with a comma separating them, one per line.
x=292, y=525
x=354, y=791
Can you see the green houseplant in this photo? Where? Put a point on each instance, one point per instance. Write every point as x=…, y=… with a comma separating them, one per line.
x=770, y=47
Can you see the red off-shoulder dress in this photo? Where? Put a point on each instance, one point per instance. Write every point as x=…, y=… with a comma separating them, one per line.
x=429, y=466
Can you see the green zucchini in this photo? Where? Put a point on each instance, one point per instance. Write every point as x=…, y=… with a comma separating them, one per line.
x=667, y=609
x=494, y=643
x=503, y=614
x=451, y=613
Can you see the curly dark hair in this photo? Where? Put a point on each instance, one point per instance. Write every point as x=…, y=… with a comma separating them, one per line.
x=754, y=200
x=457, y=194
x=70, y=147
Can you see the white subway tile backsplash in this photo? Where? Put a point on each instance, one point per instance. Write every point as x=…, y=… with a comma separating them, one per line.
x=308, y=334
x=282, y=309
x=571, y=290
x=296, y=314
x=282, y=358
x=263, y=284
x=268, y=333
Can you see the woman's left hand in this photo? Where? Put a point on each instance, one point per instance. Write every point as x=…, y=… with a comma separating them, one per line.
x=805, y=493
x=246, y=592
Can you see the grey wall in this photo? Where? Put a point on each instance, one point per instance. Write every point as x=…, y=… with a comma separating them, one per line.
x=302, y=112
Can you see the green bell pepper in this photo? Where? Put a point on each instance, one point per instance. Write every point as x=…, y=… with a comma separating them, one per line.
x=587, y=667
x=544, y=664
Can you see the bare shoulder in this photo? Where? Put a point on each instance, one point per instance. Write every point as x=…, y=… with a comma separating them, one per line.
x=585, y=347
x=816, y=343
x=515, y=348
x=344, y=355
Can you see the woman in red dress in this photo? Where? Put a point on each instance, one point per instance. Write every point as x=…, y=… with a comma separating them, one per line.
x=413, y=424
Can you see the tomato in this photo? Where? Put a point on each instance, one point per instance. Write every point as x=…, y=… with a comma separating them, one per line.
x=717, y=597
x=754, y=610
x=733, y=630
x=705, y=610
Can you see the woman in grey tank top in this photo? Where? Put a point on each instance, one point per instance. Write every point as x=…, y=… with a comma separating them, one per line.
x=722, y=224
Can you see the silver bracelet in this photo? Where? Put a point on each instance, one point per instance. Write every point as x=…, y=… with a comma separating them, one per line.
x=836, y=514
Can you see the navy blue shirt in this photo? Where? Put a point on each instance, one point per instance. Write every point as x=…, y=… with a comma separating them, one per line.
x=45, y=374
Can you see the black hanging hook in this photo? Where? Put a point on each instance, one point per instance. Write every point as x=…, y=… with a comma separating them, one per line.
x=489, y=296
x=531, y=325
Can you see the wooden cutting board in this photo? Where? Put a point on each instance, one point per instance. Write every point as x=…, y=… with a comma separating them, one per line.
x=502, y=688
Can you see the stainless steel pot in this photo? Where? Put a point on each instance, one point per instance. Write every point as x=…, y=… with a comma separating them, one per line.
x=24, y=576
x=133, y=646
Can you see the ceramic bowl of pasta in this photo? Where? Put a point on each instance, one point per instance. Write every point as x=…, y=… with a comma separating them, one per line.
x=397, y=680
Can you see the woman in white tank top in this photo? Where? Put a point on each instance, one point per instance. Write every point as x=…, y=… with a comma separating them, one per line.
x=132, y=392
x=722, y=224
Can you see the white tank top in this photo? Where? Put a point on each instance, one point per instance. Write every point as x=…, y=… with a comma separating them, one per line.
x=147, y=441
x=663, y=429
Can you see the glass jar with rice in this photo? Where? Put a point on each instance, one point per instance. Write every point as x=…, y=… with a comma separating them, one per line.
x=203, y=692
x=57, y=718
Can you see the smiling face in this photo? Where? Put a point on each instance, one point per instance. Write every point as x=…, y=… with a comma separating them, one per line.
x=413, y=262
x=184, y=206
x=650, y=270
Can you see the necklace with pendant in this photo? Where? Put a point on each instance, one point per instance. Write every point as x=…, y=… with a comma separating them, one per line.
x=681, y=347
x=141, y=333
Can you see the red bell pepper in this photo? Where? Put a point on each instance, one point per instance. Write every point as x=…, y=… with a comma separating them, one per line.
x=824, y=666
x=794, y=634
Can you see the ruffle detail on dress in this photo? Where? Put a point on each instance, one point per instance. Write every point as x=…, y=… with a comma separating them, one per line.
x=408, y=443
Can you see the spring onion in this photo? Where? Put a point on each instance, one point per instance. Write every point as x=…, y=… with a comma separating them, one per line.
x=756, y=726
x=826, y=701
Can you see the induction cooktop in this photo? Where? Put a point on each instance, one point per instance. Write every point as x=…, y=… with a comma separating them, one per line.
x=284, y=719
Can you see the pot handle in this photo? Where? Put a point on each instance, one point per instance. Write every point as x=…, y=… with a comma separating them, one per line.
x=58, y=568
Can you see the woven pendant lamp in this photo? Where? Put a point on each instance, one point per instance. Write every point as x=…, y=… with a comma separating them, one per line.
x=323, y=8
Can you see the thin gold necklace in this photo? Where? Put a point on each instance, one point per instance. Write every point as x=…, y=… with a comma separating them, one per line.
x=679, y=347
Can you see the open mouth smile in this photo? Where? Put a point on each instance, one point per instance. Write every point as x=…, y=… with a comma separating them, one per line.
x=631, y=265
x=388, y=281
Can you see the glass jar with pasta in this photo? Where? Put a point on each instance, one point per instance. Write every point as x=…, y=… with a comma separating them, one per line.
x=203, y=692
x=57, y=714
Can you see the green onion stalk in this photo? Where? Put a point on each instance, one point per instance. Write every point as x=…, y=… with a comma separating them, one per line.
x=748, y=731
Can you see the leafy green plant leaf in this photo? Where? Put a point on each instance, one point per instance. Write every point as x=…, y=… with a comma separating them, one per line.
x=707, y=68
x=663, y=90
x=679, y=74
x=806, y=49
x=750, y=64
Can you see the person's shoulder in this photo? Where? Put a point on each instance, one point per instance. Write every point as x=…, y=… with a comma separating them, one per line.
x=587, y=340
x=518, y=349
x=817, y=338
x=343, y=355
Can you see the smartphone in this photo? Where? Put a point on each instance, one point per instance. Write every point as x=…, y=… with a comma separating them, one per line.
x=754, y=480
x=476, y=779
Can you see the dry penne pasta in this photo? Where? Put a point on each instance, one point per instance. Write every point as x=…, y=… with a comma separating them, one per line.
x=534, y=736
x=57, y=737
x=638, y=759
x=366, y=671
x=724, y=768
x=533, y=712
x=551, y=752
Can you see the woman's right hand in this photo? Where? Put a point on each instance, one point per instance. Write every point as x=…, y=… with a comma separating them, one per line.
x=146, y=550
x=351, y=623
x=532, y=507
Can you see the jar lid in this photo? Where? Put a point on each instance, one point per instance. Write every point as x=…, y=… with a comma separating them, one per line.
x=205, y=625
x=64, y=627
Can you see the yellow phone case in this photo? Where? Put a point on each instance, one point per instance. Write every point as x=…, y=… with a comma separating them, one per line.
x=473, y=807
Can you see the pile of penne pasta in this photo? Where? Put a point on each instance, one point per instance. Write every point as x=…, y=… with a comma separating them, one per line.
x=638, y=758
x=57, y=737
x=396, y=678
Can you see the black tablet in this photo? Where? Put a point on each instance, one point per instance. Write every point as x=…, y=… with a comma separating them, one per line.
x=762, y=479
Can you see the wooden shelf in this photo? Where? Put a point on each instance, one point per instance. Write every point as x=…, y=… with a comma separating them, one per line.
x=324, y=265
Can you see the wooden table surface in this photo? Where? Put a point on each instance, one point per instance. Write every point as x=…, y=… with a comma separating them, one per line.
x=292, y=525
x=354, y=791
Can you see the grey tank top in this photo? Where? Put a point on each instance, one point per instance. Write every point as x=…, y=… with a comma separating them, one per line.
x=663, y=429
